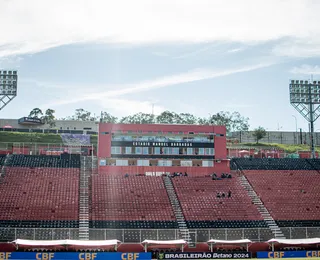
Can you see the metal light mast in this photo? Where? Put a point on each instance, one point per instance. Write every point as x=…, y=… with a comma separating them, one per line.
x=305, y=98
x=8, y=86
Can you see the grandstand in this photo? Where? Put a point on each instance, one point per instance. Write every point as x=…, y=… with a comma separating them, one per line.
x=66, y=196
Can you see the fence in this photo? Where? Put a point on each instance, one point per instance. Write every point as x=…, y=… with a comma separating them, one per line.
x=138, y=235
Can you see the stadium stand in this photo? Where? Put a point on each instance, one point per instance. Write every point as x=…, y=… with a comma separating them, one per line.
x=284, y=192
x=203, y=209
x=130, y=202
x=271, y=164
x=40, y=192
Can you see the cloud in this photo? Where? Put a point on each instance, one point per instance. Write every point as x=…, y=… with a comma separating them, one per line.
x=36, y=25
x=125, y=89
x=306, y=69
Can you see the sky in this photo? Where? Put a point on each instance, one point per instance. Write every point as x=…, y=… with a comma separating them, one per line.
x=125, y=57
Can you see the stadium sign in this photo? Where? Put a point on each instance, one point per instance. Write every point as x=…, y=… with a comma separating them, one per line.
x=162, y=144
x=289, y=254
x=193, y=255
x=30, y=121
x=73, y=256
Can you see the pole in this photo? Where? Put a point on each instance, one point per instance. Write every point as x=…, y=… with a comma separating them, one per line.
x=311, y=122
x=295, y=118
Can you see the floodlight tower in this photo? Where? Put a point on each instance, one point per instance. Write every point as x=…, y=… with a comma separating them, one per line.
x=305, y=98
x=8, y=86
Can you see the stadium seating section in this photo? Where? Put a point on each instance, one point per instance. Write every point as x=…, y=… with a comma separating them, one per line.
x=42, y=192
x=39, y=192
x=291, y=197
x=130, y=202
x=203, y=209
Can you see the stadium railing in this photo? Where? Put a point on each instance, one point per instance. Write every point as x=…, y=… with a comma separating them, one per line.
x=138, y=235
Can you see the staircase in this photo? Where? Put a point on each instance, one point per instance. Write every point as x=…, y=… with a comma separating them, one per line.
x=272, y=225
x=85, y=173
x=182, y=225
x=5, y=164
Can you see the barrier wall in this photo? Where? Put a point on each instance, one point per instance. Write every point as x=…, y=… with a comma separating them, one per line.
x=73, y=256
x=289, y=254
x=197, y=256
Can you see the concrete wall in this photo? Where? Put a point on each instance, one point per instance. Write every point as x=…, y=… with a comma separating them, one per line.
x=60, y=125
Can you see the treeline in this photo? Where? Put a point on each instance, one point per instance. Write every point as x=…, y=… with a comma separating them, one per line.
x=233, y=121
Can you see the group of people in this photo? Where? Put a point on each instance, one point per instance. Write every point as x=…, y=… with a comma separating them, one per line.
x=224, y=195
x=214, y=176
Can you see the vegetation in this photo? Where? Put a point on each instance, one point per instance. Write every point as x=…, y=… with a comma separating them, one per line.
x=233, y=121
x=259, y=133
x=16, y=137
x=47, y=117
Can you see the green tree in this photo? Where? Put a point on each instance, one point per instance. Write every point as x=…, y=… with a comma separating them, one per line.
x=108, y=118
x=81, y=115
x=36, y=113
x=259, y=133
x=168, y=117
x=188, y=119
x=49, y=117
x=140, y=118
x=233, y=121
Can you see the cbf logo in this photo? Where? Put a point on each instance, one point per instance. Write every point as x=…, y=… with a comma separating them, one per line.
x=161, y=256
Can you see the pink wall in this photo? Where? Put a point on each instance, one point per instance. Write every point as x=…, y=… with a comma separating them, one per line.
x=104, y=147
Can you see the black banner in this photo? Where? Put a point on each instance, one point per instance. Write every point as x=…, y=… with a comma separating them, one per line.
x=30, y=120
x=162, y=144
x=193, y=255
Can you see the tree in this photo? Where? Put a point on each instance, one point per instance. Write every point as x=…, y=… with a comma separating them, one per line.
x=140, y=118
x=49, y=117
x=36, y=113
x=108, y=118
x=168, y=117
x=259, y=133
x=188, y=119
x=233, y=121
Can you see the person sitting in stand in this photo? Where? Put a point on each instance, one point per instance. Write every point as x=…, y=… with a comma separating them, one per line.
x=229, y=194
x=218, y=195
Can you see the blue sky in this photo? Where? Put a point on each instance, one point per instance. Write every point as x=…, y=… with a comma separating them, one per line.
x=199, y=56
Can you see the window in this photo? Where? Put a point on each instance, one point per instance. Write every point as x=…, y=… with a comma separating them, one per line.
x=138, y=150
x=115, y=150
x=207, y=163
x=166, y=150
x=145, y=150
x=175, y=150
x=164, y=163
x=186, y=163
x=121, y=162
x=209, y=151
x=128, y=150
x=189, y=151
x=143, y=163
x=157, y=150
x=201, y=151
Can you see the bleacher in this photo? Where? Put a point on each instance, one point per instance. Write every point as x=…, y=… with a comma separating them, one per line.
x=292, y=197
x=203, y=209
x=130, y=202
x=40, y=192
x=271, y=164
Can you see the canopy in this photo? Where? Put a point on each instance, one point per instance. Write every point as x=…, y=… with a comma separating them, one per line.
x=66, y=242
x=234, y=242
x=212, y=242
x=164, y=243
x=304, y=241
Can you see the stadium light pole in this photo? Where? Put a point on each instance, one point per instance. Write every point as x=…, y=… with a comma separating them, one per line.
x=305, y=98
x=295, y=118
x=8, y=86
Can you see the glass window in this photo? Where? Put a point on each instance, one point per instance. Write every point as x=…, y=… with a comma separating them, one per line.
x=138, y=150
x=201, y=151
x=207, y=163
x=115, y=150
x=209, y=151
x=164, y=163
x=189, y=151
x=128, y=150
x=175, y=150
x=145, y=150
x=186, y=163
x=156, y=150
x=121, y=162
x=143, y=163
x=166, y=150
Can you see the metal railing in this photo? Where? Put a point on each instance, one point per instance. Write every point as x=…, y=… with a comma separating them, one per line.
x=138, y=235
